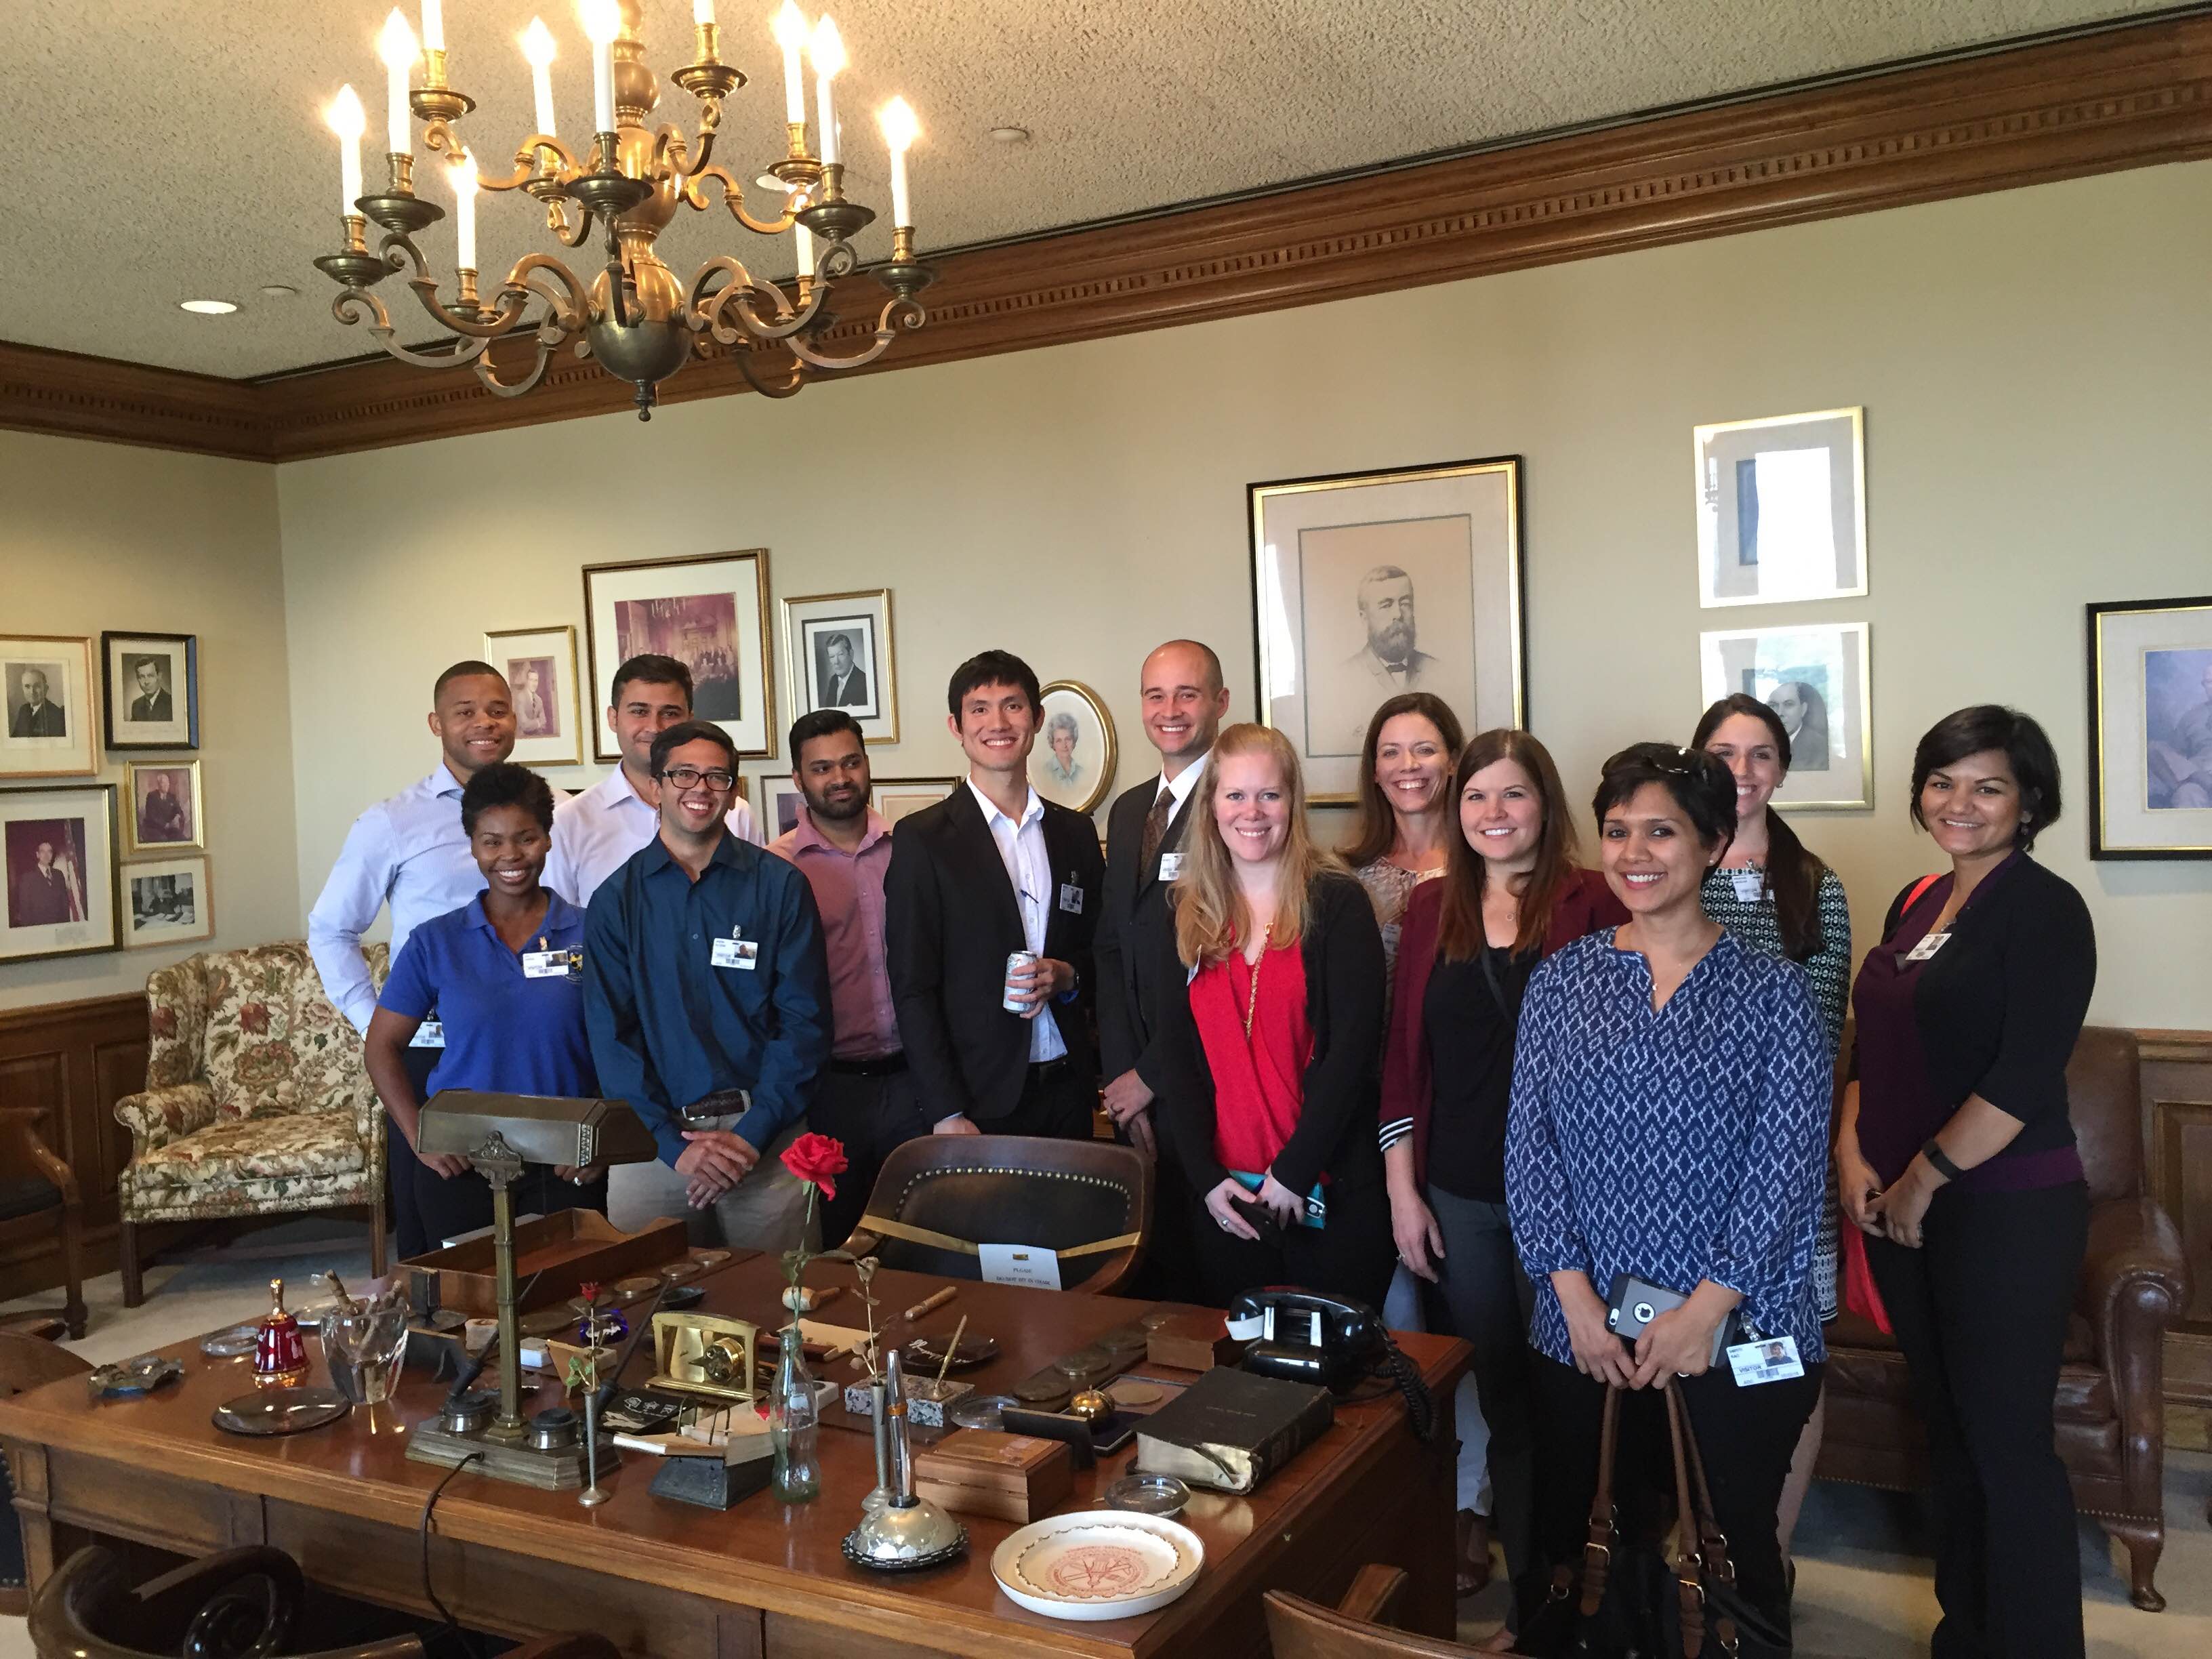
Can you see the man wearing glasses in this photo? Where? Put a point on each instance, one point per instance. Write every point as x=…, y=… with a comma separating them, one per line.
x=707, y=997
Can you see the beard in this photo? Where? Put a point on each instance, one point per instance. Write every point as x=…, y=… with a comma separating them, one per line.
x=1395, y=643
x=837, y=811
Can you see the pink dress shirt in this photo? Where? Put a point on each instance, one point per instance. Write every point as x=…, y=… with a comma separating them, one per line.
x=849, y=890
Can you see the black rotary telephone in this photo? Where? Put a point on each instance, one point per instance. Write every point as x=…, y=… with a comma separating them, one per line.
x=1307, y=1337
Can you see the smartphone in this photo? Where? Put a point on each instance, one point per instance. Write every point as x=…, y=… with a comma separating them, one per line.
x=1262, y=1220
x=1632, y=1304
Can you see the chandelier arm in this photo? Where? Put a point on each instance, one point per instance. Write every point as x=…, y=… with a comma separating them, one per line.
x=708, y=306
x=439, y=134
x=504, y=318
x=567, y=311
x=526, y=163
x=489, y=375
x=692, y=194
x=556, y=221
x=900, y=315
x=769, y=389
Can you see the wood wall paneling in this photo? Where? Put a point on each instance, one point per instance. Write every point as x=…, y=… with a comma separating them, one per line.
x=2177, y=1085
x=2132, y=95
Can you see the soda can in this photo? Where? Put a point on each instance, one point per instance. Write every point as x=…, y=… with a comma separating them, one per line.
x=1015, y=961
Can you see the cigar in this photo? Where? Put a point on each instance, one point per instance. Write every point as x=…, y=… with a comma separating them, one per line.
x=818, y=1300
x=930, y=1305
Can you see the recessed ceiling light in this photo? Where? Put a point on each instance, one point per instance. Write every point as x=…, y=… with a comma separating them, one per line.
x=1011, y=135
x=207, y=308
x=280, y=291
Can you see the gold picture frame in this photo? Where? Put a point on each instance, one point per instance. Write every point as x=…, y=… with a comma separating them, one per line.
x=1809, y=541
x=57, y=736
x=152, y=917
x=862, y=619
x=894, y=799
x=723, y=600
x=77, y=912
x=1817, y=678
x=186, y=810
x=1081, y=775
x=558, y=739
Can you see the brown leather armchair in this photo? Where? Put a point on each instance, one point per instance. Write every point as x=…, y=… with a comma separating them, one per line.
x=2110, y=1407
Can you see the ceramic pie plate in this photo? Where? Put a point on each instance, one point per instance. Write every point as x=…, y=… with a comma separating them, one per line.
x=1097, y=1565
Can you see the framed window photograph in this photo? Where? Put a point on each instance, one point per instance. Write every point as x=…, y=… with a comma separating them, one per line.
x=1816, y=678
x=1365, y=585
x=898, y=797
x=58, y=860
x=838, y=654
x=780, y=804
x=46, y=698
x=710, y=613
x=1073, y=763
x=1782, y=508
x=540, y=665
x=2150, y=729
x=150, y=687
x=162, y=801
x=167, y=902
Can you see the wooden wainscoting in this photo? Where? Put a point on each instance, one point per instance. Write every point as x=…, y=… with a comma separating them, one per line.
x=2177, y=1085
x=73, y=1061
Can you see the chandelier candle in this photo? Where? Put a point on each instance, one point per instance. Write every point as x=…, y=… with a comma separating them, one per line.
x=396, y=47
x=790, y=35
x=602, y=22
x=827, y=49
x=900, y=130
x=538, y=48
x=433, y=25
x=465, y=211
x=348, y=120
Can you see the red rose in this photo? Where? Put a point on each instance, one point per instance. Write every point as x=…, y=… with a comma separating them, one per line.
x=254, y=1017
x=815, y=1159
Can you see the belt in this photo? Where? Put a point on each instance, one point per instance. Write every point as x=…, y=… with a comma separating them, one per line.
x=874, y=1065
x=1040, y=1069
x=723, y=1102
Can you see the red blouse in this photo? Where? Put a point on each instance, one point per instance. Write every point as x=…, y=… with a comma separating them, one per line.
x=1258, y=1085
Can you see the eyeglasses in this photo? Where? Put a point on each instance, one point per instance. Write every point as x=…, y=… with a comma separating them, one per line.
x=690, y=777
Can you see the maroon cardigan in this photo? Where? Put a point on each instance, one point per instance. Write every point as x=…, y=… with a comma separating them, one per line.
x=1584, y=905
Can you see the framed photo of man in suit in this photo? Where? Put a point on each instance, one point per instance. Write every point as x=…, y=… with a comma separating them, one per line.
x=540, y=665
x=46, y=722
x=58, y=872
x=838, y=654
x=163, y=801
x=151, y=683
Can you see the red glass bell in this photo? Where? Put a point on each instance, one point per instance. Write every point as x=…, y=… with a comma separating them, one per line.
x=280, y=1352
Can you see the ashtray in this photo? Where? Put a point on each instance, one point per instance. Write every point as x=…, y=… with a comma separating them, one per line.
x=926, y=1354
x=678, y=1272
x=628, y=1291
x=280, y=1410
x=981, y=1411
x=233, y=1344
x=1147, y=1494
x=680, y=1296
x=708, y=1260
x=127, y=1379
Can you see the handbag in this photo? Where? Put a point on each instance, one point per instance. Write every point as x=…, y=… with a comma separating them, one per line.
x=1714, y=1615
x=1608, y=1606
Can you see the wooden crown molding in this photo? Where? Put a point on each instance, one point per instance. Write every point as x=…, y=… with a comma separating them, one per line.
x=2129, y=96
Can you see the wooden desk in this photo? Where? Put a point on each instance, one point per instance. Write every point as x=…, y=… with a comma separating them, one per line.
x=762, y=1580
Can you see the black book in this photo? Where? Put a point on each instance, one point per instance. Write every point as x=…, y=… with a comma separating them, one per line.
x=1231, y=1430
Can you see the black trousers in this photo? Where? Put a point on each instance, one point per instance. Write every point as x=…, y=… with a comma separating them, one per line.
x=408, y=1237
x=447, y=1205
x=1351, y=1257
x=1058, y=1101
x=1745, y=1436
x=871, y=1115
x=1980, y=1311
x=1169, y=1272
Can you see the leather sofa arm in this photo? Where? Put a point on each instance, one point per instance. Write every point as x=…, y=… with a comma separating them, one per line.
x=2135, y=1281
x=161, y=1115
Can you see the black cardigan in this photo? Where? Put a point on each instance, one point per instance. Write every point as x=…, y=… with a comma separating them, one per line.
x=1343, y=953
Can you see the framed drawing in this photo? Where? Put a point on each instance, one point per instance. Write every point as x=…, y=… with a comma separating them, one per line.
x=1073, y=763
x=57, y=855
x=897, y=798
x=710, y=613
x=46, y=693
x=838, y=654
x=163, y=805
x=1368, y=584
x=167, y=902
x=2150, y=729
x=780, y=804
x=1782, y=508
x=150, y=686
x=540, y=665
x=1816, y=678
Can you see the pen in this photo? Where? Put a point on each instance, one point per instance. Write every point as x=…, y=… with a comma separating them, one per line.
x=930, y=1305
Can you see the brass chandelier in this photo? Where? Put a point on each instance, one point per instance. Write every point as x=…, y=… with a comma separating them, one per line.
x=632, y=314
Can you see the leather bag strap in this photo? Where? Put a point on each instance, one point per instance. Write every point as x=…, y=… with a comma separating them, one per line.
x=1688, y=1569
x=1597, y=1548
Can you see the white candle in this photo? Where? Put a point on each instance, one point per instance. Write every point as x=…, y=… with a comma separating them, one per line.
x=805, y=250
x=703, y=12
x=827, y=49
x=348, y=120
x=396, y=47
x=790, y=27
x=465, y=210
x=602, y=22
x=433, y=25
x=537, y=46
x=900, y=130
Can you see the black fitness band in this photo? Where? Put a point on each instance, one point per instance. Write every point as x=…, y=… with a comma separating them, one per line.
x=1933, y=1151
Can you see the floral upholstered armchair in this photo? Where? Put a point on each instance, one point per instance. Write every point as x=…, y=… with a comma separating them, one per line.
x=256, y=1102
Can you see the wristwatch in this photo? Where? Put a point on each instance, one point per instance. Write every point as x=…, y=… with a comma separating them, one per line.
x=1933, y=1151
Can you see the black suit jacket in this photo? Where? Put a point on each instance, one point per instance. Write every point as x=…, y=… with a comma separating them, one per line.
x=46, y=721
x=854, y=694
x=155, y=707
x=1130, y=918
x=951, y=920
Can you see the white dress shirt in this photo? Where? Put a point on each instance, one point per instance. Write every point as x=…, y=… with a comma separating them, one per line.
x=1029, y=866
x=595, y=833
x=1181, y=784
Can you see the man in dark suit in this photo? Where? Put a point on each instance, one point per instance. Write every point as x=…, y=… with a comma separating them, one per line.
x=990, y=870
x=848, y=687
x=152, y=702
x=1184, y=703
x=44, y=895
x=35, y=717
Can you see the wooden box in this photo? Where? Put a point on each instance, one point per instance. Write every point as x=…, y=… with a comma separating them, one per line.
x=1193, y=1342
x=1014, y=1477
x=562, y=1250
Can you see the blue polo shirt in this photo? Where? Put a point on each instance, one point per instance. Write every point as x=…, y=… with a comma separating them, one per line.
x=505, y=1032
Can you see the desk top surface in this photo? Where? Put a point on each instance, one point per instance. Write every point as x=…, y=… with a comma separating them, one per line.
x=760, y=1551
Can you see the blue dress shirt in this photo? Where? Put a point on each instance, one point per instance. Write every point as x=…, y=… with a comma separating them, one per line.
x=668, y=1027
x=1686, y=1144
x=505, y=1031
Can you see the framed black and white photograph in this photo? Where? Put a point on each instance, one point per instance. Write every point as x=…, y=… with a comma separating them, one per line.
x=1782, y=508
x=167, y=902
x=709, y=612
x=162, y=807
x=1073, y=763
x=2150, y=729
x=46, y=720
x=897, y=798
x=58, y=860
x=838, y=654
x=1365, y=585
x=1816, y=678
x=150, y=689
x=779, y=806
x=540, y=665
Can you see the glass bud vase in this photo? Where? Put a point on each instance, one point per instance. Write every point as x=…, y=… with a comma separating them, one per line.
x=794, y=1423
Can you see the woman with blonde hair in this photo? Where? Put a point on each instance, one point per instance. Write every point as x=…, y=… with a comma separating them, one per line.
x=1270, y=1071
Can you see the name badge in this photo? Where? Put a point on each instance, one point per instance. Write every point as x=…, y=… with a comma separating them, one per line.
x=743, y=953
x=1171, y=865
x=549, y=964
x=431, y=1034
x=1750, y=885
x=1928, y=947
x=1020, y=1264
x=1071, y=898
x=1774, y=1360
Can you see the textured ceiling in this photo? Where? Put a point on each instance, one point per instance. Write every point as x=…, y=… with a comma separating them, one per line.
x=179, y=152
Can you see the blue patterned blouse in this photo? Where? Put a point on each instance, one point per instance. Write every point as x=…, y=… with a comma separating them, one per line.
x=1686, y=1144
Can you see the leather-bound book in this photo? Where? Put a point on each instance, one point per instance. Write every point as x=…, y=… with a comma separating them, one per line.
x=1231, y=1430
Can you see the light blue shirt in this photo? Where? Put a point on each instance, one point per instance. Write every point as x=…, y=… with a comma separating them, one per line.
x=1029, y=866
x=596, y=832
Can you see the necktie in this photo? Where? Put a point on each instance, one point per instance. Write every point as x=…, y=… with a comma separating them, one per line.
x=1156, y=825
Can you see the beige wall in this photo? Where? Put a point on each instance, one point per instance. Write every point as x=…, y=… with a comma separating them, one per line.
x=100, y=535
x=2032, y=364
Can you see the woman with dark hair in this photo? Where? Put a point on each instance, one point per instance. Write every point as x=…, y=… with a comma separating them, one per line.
x=1955, y=1155
x=504, y=975
x=1670, y=1107
x=1511, y=895
x=1404, y=830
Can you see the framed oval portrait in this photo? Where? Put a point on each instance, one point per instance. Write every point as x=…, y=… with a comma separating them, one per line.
x=1073, y=764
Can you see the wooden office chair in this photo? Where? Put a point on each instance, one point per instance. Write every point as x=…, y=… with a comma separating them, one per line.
x=939, y=1196
x=1355, y=1627
x=41, y=1181
x=25, y=1362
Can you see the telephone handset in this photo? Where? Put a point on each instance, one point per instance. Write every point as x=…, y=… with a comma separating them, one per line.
x=1307, y=1337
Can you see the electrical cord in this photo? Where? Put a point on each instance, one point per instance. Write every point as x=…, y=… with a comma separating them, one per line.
x=430, y=1590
